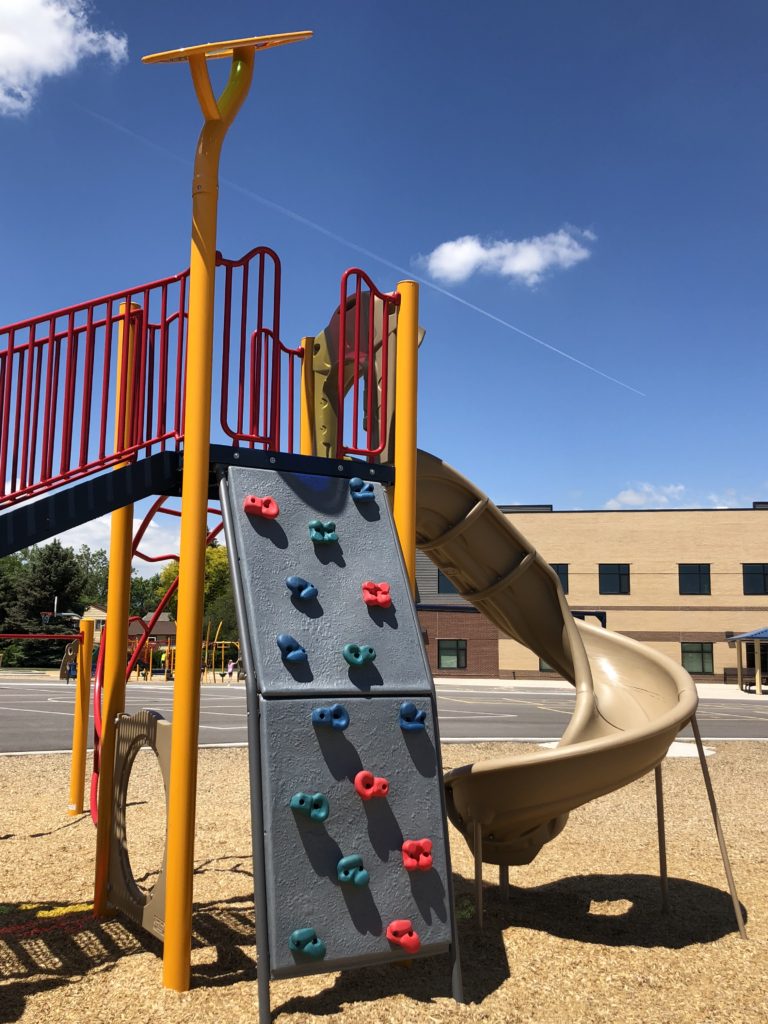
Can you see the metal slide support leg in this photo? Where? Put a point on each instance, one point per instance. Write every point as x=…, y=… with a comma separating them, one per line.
x=504, y=880
x=718, y=829
x=662, y=842
x=478, y=843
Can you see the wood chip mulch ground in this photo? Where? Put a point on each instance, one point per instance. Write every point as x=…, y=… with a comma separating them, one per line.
x=581, y=939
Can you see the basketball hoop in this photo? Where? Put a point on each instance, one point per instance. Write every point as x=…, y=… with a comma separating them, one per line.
x=46, y=617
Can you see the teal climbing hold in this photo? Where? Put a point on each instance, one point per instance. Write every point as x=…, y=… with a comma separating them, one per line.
x=307, y=941
x=312, y=805
x=358, y=654
x=350, y=871
x=322, y=533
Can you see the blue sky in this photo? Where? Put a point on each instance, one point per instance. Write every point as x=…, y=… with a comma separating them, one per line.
x=592, y=174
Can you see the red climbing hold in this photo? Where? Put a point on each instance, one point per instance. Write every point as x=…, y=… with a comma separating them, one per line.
x=369, y=785
x=402, y=934
x=417, y=854
x=377, y=595
x=265, y=507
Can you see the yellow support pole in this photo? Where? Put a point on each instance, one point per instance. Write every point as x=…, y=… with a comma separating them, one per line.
x=118, y=605
x=406, y=398
x=219, y=115
x=80, y=726
x=307, y=425
x=194, y=503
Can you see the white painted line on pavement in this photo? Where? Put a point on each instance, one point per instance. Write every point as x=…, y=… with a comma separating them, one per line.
x=34, y=711
x=25, y=753
x=496, y=739
x=474, y=715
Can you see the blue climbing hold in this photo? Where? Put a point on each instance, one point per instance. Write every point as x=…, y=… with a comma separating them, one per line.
x=290, y=648
x=350, y=871
x=358, y=654
x=411, y=718
x=306, y=941
x=336, y=716
x=312, y=805
x=322, y=533
x=361, y=490
x=300, y=588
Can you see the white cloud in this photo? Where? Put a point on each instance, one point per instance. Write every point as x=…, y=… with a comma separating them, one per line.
x=526, y=260
x=646, y=495
x=44, y=38
x=727, y=499
x=160, y=539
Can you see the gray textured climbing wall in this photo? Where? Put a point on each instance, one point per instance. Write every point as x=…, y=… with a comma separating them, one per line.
x=272, y=550
x=355, y=838
x=303, y=854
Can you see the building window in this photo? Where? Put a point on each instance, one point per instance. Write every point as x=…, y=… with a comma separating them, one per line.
x=561, y=568
x=694, y=578
x=697, y=658
x=614, y=578
x=444, y=585
x=755, y=577
x=750, y=649
x=545, y=667
x=451, y=653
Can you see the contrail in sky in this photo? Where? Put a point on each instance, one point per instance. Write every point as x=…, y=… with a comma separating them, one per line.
x=300, y=219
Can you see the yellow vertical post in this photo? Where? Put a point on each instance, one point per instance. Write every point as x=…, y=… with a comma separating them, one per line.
x=118, y=603
x=406, y=397
x=307, y=385
x=194, y=504
x=80, y=726
x=219, y=115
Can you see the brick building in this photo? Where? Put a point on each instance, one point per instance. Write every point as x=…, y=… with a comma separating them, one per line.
x=681, y=580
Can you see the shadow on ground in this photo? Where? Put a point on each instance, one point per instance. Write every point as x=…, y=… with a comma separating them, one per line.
x=45, y=945
x=621, y=910
x=610, y=910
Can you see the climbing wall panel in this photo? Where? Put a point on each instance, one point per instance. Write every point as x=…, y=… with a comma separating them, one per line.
x=306, y=759
x=351, y=858
x=274, y=549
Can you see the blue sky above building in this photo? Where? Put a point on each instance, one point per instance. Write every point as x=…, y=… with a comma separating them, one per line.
x=590, y=174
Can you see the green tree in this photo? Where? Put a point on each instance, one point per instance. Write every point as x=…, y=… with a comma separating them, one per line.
x=41, y=578
x=11, y=574
x=218, y=599
x=11, y=570
x=145, y=593
x=94, y=566
x=53, y=576
x=165, y=578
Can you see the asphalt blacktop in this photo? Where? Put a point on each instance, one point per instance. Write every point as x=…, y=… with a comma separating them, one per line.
x=706, y=691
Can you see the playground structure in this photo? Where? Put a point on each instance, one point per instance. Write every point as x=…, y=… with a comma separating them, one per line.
x=323, y=572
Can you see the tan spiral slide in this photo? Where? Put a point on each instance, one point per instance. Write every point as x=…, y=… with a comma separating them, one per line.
x=630, y=701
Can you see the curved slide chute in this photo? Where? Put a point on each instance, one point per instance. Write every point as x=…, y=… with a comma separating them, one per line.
x=630, y=701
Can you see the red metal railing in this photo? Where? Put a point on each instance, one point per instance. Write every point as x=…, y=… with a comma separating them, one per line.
x=63, y=395
x=62, y=392
x=363, y=367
